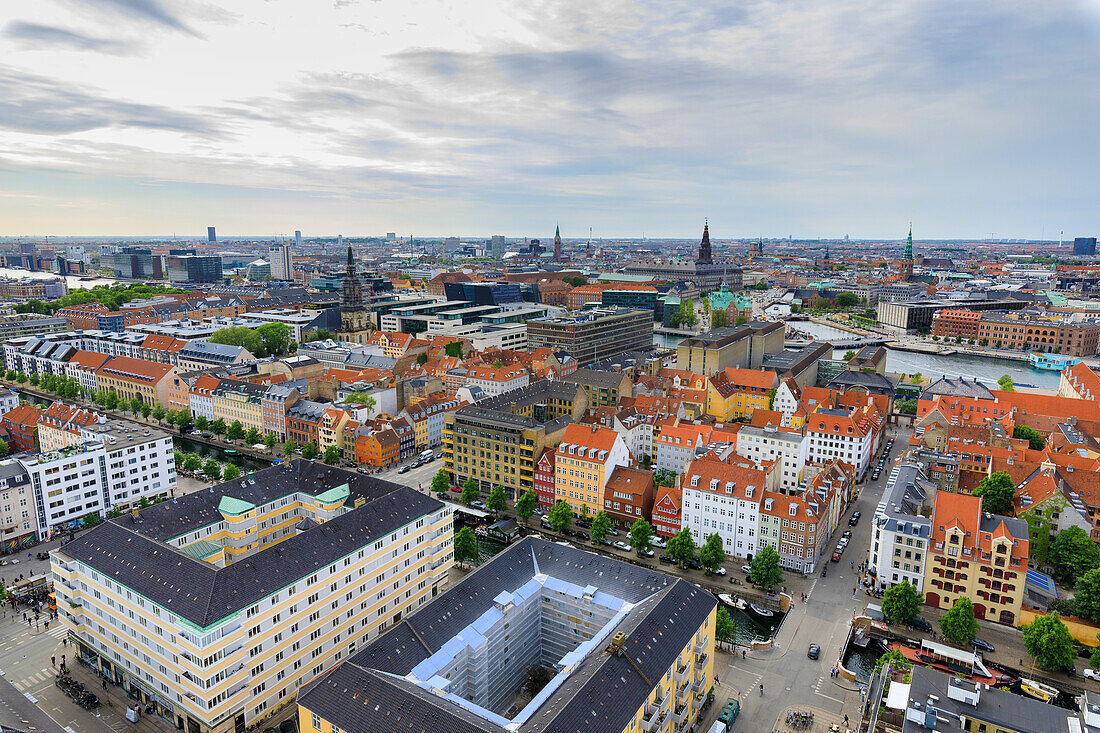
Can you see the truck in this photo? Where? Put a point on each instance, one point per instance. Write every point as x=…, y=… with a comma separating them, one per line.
x=727, y=716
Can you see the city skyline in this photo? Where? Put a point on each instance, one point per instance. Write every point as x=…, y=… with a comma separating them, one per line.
x=148, y=117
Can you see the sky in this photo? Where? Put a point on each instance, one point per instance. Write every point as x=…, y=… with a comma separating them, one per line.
x=477, y=117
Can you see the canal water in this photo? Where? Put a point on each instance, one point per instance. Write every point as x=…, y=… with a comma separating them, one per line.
x=73, y=281
x=750, y=627
x=204, y=451
x=861, y=660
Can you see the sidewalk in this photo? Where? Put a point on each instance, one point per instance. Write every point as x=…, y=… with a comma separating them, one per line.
x=113, y=703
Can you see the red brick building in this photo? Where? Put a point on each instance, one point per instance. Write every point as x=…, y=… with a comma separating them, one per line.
x=18, y=427
x=667, y=507
x=544, y=480
x=629, y=495
x=952, y=323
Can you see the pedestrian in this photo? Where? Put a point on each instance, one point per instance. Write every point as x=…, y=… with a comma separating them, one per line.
x=47, y=624
x=53, y=661
x=742, y=653
x=104, y=683
x=62, y=660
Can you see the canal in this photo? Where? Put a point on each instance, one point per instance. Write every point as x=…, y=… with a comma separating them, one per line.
x=245, y=463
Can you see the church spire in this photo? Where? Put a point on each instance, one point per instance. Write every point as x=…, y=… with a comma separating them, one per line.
x=557, y=243
x=351, y=260
x=704, y=245
x=909, y=243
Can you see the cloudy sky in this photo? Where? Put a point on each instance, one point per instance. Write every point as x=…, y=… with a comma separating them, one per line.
x=473, y=117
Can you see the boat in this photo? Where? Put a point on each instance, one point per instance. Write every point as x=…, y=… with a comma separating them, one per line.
x=727, y=599
x=761, y=611
x=1038, y=690
x=1050, y=362
x=230, y=452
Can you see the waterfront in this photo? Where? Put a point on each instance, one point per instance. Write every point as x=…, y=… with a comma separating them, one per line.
x=204, y=451
x=72, y=281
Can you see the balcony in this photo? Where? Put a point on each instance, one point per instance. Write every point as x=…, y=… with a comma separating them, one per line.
x=653, y=718
x=682, y=673
x=701, y=664
x=683, y=714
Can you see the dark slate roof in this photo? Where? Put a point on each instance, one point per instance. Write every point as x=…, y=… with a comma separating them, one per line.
x=132, y=552
x=956, y=388
x=601, y=694
x=871, y=381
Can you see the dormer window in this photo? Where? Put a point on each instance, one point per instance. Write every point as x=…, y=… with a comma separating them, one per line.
x=729, y=487
x=714, y=484
x=695, y=480
x=792, y=510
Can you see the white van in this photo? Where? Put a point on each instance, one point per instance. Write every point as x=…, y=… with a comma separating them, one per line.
x=427, y=456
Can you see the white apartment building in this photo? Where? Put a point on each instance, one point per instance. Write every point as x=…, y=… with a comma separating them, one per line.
x=9, y=400
x=18, y=515
x=724, y=499
x=849, y=435
x=282, y=267
x=637, y=432
x=676, y=445
x=494, y=381
x=786, y=401
x=901, y=533
x=789, y=449
x=217, y=607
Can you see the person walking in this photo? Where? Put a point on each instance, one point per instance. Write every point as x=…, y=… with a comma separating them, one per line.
x=53, y=661
x=761, y=689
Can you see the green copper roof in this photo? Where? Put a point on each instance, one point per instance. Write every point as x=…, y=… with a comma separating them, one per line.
x=232, y=507
x=335, y=495
x=202, y=549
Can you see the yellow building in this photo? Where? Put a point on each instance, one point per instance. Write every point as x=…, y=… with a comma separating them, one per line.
x=585, y=459
x=130, y=378
x=636, y=655
x=735, y=393
x=233, y=400
x=330, y=431
x=215, y=608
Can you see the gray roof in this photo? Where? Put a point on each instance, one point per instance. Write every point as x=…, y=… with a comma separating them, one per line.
x=595, y=378
x=208, y=351
x=907, y=492
x=995, y=707
x=957, y=388
x=873, y=382
x=368, y=692
x=133, y=552
x=307, y=409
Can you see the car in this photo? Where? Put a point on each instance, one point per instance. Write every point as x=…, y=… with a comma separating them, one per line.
x=479, y=505
x=694, y=564
x=404, y=469
x=720, y=571
x=1091, y=674
x=855, y=519
x=847, y=534
x=920, y=624
x=843, y=542
x=290, y=725
x=658, y=542
x=814, y=652
x=546, y=523
x=836, y=557
x=985, y=646
x=665, y=560
x=606, y=542
x=839, y=549
x=581, y=536
x=646, y=553
x=622, y=545
x=746, y=569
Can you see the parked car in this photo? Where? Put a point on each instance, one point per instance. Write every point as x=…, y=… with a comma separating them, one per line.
x=843, y=542
x=836, y=557
x=847, y=534
x=404, y=469
x=855, y=519
x=746, y=569
x=658, y=542
x=479, y=505
x=985, y=646
x=665, y=560
x=546, y=523
x=1091, y=674
x=814, y=652
x=694, y=564
x=622, y=545
x=720, y=571
x=606, y=542
x=920, y=624
x=646, y=553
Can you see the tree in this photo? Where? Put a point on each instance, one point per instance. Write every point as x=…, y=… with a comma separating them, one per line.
x=906, y=407
x=235, y=430
x=217, y=427
x=309, y=451
x=712, y=554
x=146, y=410
x=230, y=472
x=958, y=624
x=201, y=422
x=996, y=491
x=453, y=349
x=897, y=659
x=212, y=470
x=1034, y=440
x=250, y=339
x=270, y=440
x=4, y=447
x=275, y=337
x=764, y=570
x=317, y=334
x=641, y=535
x=497, y=501
x=847, y=300
x=332, y=455
x=289, y=447
x=526, y=505
x=91, y=519
x=1073, y=554
x=1086, y=600
x=465, y=546
x=10, y=375
x=849, y=355
x=901, y=602
x=470, y=491
x=725, y=630
x=135, y=405
x=440, y=483
x=177, y=458
x=192, y=463
x=1049, y=641
x=601, y=526
x=681, y=547
x=1005, y=382
x=719, y=319
x=21, y=378
x=1094, y=658
x=664, y=477
x=252, y=436
x=183, y=421
x=422, y=359
x=561, y=516
x=35, y=379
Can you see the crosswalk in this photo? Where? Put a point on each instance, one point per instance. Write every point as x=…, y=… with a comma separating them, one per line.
x=34, y=681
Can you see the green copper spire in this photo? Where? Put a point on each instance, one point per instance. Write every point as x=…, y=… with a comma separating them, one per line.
x=557, y=234
x=909, y=244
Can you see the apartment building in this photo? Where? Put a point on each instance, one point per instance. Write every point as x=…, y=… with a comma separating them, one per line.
x=129, y=378
x=593, y=335
x=217, y=607
x=303, y=421
x=585, y=459
x=629, y=495
x=667, y=511
x=1080, y=382
x=330, y=429
x=276, y=400
x=18, y=509
x=1041, y=332
x=199, y=355
x=978, y=555
x=954, y=323
x=735, y=393
x=499, y=440
x=426, y=417
x=902, y=530
x=795, y=526
x=59, y=426
x=630, y=650
x=637, y=432
x=677, y=444
x=849, y=434
x=604, y=389
x=544, y=480
x=788, y=448
x=233, y=400
x=19, y=426
x=9, y=400
x=724, y=498
x=83, y=365
x=493, y=381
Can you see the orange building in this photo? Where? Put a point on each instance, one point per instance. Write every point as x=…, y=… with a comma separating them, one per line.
x=379, y=449
x=949, y=323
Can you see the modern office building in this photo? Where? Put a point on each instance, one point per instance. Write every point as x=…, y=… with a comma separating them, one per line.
x=593, y=335
x=216, y=607
x=496, y=246
x=916, y=315
x=211, y=236
x=136, y=263
x=298, y=238
x=1084, y=245
x=281, y=262
x=740, y=347
x=194, y=268
x=625, y=648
